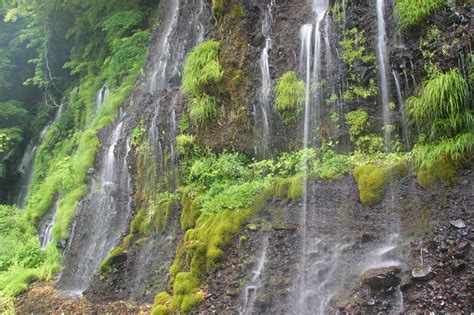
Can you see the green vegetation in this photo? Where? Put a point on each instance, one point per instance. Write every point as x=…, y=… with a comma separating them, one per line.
x=289, y=96
x=70, y=145
x=413, y=12
x=337, y=11
x=441, y=113
x=201, y=75
x=220, y=194
x=359, y=133
x=372, y=179
x=355, y=53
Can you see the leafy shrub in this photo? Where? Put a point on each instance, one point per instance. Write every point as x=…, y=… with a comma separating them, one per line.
x=358, y=122
x=289, y=96
x=184, y=143
x=414, y=12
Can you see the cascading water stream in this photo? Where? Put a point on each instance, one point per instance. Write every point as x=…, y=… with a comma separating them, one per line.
x=158, y=77
x=26, y=167
x=262, y=116
x=251, y=290
x=401, y=104
x=26, y=170
x=311, y=123
x=101, y=97
x=382, y=57
x=107, y=205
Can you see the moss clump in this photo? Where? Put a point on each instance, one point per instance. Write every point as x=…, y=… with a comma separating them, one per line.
x=295, y=190
x=443, y=170
x=200, y=251
x=137, y=221
x=371, y=180
x=281, y=187
x=190, y=211
x=218, y=8
x=107, y=265
x=289, y=96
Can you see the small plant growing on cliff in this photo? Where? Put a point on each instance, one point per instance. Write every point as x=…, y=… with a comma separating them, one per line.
x=289, y=96
x=414, y=12
x=201, y=75
x=441, y=111
x=358, y=121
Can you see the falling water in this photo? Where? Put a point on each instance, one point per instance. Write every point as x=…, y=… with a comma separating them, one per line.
x=320, y=7
x=305, y=62
x=26, y=167
x=382, y=57
x=312, y=113
x=101, y=96
x=179, y=34
x=106, y=205
x=26, y=170
x=265, y=91
x=173, y=132
x=401, y=104
x=158, y=77
x=251, y=290
x=46, y=235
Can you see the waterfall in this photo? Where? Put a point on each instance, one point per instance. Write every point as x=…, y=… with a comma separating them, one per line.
x=311, y=124
x=305, y=59
x=382, y=57
x=401, y=104
x=101, y=96
x=26, y=167
x=179, y=34
x=158, y=77
x=262, y=116
x=251, y=290
x=107, y=205
x=46, y=235
x=26, y=170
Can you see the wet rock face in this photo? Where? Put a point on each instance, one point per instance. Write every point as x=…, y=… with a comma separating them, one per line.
x=382, y=279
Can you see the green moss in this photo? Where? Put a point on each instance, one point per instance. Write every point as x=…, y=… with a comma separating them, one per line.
x=190, y=211
x=282, y=187
x=107, y=266
x=295, y=190
x=443, y=170
x=371, y=180
x=201, y=250
x=137, y=221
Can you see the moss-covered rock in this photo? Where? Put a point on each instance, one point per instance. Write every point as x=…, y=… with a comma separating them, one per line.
x=371, y=180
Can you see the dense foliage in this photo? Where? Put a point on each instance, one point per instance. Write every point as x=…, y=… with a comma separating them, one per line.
x=110, y=40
